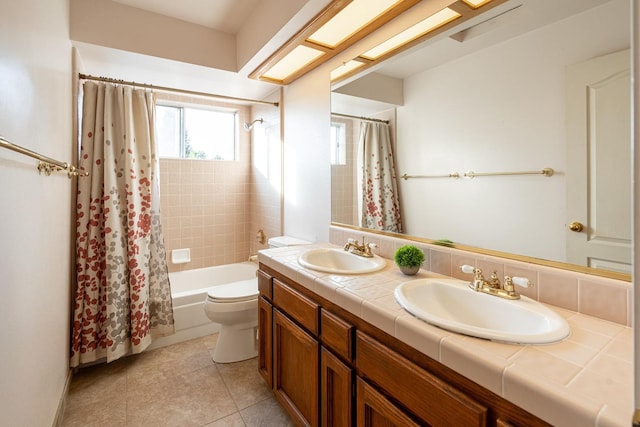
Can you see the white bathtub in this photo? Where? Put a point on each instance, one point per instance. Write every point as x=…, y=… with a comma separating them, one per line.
x=189, y=291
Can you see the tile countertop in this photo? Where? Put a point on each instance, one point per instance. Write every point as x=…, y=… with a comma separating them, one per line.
x=585, y=380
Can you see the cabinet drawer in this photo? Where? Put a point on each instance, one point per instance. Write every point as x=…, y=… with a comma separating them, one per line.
x=425, y=395
x=337, y=335
x=265, y=285
x=297, y=306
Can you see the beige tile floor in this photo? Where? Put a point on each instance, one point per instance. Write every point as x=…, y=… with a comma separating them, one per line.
x=179, y=385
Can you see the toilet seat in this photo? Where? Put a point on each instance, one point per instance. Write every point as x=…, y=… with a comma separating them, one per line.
x=244, y=290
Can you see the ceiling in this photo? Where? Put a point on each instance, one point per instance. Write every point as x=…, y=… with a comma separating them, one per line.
x=509, y=20
x=228, y=16
x=222, y=15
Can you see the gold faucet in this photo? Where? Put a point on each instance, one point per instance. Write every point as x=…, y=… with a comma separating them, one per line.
x=364, y=250
x=493, y=286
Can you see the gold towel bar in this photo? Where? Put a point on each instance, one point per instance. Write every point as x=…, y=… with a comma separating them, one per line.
x=546, y=172
x=470, y=174
x=45, y=164
x=451, y=175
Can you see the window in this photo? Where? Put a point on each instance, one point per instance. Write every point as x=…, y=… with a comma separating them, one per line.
x=338, y=144
x=196, y=133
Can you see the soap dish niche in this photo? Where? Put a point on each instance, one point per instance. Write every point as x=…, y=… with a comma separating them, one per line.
x=180, y=256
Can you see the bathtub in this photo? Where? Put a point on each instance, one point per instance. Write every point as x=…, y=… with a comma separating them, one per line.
x=189, y=291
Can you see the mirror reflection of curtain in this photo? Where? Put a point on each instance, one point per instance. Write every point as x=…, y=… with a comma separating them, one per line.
x=123, y=295
x=380, y=203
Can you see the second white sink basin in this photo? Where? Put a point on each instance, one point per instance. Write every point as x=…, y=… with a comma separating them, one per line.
x=452, y=305
x=338, y=261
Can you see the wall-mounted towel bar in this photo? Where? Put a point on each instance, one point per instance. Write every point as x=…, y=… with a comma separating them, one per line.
x=451, y=175
x=546, y=172
x=45, y=164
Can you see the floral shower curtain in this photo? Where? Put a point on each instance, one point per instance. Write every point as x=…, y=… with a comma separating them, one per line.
x=123, y=296
x=380, y=205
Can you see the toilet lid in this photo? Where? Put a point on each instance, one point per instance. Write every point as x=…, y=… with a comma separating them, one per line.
x=234, y=292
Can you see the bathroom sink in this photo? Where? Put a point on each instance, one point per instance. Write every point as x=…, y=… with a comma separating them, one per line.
x=338, y=261
x=452, y=305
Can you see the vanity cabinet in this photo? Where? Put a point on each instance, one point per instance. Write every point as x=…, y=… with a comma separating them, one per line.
x=328, y=367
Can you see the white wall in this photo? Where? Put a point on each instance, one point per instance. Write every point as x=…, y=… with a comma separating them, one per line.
x=266, y=173
x=307, y=173
x=119, y=26
x=35, y=211
x=498, y=109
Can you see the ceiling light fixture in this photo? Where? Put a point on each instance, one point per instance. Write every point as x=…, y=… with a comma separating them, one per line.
x=293, y=61
x=456, y=13
x=476, y=3
x=338, y=26
x=345, y=68
x=344, y=22
x=423, y=27
x=350, y=20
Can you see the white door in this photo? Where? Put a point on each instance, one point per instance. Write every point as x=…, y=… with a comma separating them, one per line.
x=599, y=162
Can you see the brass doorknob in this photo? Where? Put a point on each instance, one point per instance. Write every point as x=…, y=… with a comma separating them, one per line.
x=576, y=226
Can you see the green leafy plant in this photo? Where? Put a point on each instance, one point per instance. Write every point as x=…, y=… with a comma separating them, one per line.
x=408, y=256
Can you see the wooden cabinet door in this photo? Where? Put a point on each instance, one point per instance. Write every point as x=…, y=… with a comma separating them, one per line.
x=374, y=410
x=336, y=383
x=423, y=394
x=296, y=368
x=265, y=340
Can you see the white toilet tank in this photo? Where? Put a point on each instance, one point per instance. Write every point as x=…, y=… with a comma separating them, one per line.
x=282, y=241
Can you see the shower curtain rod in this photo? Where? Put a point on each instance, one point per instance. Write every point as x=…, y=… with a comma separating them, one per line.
x=174, y=90
x=369, y=119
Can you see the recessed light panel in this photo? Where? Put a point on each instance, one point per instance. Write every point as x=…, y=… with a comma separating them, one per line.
x=345, y=68
x=292, y=62
x=476, y=3
x=443, y=17
x=350, y=20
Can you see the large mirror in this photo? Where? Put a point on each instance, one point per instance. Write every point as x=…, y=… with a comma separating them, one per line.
x=541, y=86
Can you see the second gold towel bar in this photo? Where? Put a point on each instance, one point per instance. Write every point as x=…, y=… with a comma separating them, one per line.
x=470, y=174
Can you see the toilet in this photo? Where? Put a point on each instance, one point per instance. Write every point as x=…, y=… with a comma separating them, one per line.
x=235, y=307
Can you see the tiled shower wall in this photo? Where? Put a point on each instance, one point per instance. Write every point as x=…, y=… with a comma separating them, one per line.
x=344, y=204
x=204, y=208
x=204, y=204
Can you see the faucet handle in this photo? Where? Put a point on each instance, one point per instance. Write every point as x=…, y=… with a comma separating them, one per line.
x=469, y=269
x=368, y=249
x=521, y=281
x=509, y=283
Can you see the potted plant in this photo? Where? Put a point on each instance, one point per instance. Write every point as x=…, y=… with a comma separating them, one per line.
x=409, y=259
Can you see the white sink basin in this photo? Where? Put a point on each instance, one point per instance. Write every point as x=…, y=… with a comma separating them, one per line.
x=338, y=261
x=452, y=305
